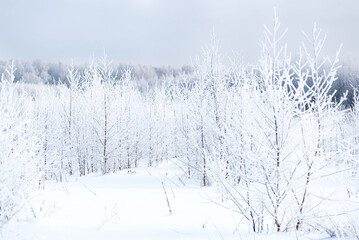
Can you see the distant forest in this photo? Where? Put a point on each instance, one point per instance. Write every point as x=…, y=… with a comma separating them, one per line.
x=147, y=76
x=40, y=72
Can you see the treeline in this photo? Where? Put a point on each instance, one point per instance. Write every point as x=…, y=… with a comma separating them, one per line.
x=40, y=72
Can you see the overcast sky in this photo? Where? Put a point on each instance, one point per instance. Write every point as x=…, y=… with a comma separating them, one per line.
x=164, y=32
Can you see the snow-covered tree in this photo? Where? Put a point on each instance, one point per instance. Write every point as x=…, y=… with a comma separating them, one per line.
x=20, y=149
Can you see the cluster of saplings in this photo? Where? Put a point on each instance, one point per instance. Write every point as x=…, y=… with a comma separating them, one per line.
x=266, y=135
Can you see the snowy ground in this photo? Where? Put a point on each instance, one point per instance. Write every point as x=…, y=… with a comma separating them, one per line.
x=131, y=205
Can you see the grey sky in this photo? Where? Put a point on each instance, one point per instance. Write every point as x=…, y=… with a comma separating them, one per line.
x=164, y=32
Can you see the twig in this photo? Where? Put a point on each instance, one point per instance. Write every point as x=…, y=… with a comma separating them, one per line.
x=88, y=189
x=168, y=202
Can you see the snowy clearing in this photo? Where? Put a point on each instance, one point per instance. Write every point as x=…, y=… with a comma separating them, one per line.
x=132, y=205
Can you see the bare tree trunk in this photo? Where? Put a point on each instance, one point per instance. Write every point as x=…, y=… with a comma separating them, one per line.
x=205, y=182
x=105, y=139
x=276, y=210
